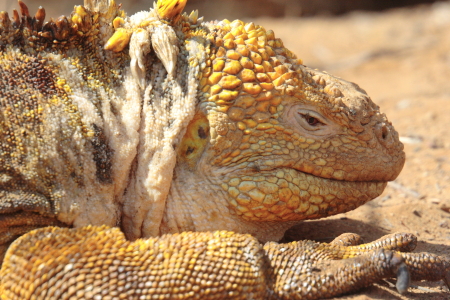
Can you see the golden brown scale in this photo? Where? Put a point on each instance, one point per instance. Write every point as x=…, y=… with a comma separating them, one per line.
x=262, y=141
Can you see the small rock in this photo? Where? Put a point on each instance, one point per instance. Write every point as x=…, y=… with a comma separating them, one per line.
x=385, y=198
x=445, y=208
x=445, y=205
x=403, y=104
x=411, y=139
x=434, y=200
x=444, y=224
x=417, y=213
x=435, y=144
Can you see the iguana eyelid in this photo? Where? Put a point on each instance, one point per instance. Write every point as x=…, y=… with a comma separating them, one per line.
x=302, y=115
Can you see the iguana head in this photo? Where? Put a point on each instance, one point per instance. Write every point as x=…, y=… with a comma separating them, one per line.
x=278, y=140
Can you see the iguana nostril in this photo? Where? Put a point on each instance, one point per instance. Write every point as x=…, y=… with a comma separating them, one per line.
x=384, y=135
x=384, y=132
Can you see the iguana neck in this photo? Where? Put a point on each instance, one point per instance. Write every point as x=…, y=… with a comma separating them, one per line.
x=195, y=203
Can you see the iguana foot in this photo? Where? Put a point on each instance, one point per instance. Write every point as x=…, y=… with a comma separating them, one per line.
x=310, y=270
x=422, y=266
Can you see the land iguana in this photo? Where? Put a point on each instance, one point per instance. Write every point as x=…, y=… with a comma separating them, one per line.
x=174, y=148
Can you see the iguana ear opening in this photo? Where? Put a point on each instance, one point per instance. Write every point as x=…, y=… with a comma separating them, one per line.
x=194, y=141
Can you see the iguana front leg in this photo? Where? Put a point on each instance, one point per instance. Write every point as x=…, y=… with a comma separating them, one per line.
x=98, y=263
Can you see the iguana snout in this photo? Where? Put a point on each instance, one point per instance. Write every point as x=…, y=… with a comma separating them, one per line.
x=364, y=144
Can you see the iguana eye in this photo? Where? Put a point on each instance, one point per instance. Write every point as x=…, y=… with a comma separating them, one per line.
x=311, y=120
x=308, y=121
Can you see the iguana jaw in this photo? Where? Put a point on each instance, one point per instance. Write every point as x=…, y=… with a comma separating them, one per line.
x=286, y=194
x=217, y=199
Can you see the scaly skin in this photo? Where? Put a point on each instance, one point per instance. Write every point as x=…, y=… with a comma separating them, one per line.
x=161, y=124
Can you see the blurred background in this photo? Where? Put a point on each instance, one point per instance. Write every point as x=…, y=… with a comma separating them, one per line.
x=233, y=9
x=399, y=52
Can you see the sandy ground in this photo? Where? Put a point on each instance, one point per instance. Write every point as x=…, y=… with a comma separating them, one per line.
x=402, y=59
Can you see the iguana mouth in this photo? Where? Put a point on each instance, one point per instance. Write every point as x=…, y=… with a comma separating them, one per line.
x=289, y=194
x=260, y=166
x=339, y=172
x=340, y=180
